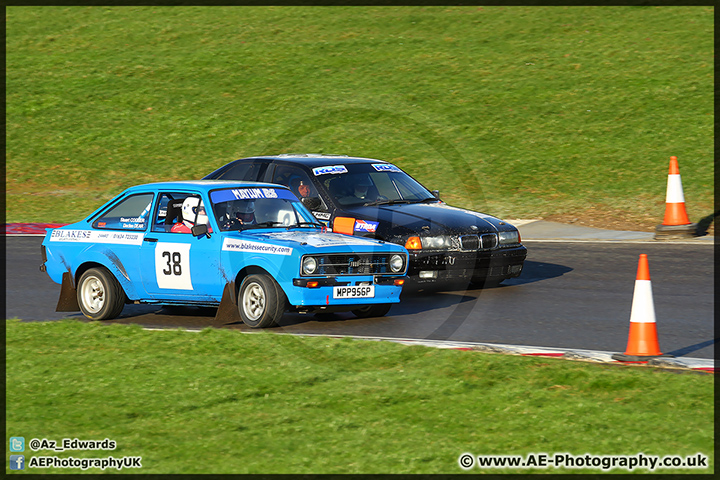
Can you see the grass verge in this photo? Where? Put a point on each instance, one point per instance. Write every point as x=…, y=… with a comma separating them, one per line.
x=522, y=112
x=223, y=402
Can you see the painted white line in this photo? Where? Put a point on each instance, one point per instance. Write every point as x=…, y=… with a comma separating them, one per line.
x=649, y=242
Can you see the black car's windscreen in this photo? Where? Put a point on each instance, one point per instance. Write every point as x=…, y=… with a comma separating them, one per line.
x=241, y=208
x=363, y=184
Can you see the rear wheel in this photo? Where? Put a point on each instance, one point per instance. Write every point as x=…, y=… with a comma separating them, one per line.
x=99, y=295
x=261, y=301
x=372, y=310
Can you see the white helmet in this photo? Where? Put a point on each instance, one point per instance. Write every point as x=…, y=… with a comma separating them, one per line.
x=192, y=206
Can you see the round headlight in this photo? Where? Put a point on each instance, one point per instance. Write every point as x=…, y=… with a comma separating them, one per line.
x=396, y=263
x=309, y=265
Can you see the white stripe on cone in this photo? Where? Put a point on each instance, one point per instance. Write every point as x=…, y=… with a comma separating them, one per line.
x=674, y=192
x=643, y=308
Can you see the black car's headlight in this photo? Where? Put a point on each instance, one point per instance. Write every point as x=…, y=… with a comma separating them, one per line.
x=509, y=238
x=436, y=243
x=309, y=265
x=397, y=263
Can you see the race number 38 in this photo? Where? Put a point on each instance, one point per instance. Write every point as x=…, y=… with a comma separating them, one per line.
x=172, y=266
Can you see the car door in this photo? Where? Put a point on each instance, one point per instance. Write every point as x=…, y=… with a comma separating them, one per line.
x=180, y=266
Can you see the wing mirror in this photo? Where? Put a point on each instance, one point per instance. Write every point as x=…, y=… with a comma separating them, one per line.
x=200, y=230
x=436, y=194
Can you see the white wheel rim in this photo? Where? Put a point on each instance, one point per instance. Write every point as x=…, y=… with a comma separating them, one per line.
x=254, y=301
x=93, y=294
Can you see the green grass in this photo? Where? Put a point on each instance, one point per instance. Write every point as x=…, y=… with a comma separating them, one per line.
x=516, y=111
x=220, y=401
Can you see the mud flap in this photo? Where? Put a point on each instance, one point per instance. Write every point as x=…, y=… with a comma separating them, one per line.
x=228, y=311
x=68, y=295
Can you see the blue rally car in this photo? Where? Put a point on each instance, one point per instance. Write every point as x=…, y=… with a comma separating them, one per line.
x=252, y=249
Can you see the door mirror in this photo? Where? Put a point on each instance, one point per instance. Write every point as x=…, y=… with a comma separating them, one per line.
x=436, y=194
x=199, y=230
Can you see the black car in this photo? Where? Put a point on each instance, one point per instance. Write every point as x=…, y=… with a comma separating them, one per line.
x=373, y=198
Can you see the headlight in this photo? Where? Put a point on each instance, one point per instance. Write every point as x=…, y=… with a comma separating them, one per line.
x=397, y=263
x=435, y=243
x=309, y=265
x=509, y=238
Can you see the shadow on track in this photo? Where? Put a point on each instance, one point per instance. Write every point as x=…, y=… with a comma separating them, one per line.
x=414, y=300
x=537, y=271
x=681, y=352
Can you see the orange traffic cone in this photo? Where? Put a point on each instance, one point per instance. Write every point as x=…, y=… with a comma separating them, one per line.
x=676, y=221
x=675, y=213
x=643, y=340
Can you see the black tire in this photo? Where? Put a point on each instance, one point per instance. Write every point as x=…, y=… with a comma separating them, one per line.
x=99, y=295
x=261, y=301
x=367, y=311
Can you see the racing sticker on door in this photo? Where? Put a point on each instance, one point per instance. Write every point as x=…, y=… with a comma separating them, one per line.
x=172, y=266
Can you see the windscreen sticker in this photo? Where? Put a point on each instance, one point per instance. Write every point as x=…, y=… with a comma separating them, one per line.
x=322, y=215
x=92, y=236
x=366, y=226
x=235, y=245
x=219, y=196
x=329, y=169
x=386, y=167
x=172, y=266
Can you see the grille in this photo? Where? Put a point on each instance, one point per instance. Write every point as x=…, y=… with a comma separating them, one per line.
x=354, y=264
x=489, y=240
x=475, y=242
x=470, y=242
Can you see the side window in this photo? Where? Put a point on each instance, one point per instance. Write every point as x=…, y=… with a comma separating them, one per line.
x=300, y=184
x=131, y=213
x=169, y=211
x=247, y=171
x=177, y=212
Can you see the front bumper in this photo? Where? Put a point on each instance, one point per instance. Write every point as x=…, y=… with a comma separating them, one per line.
x=321, y=296
x=494, y=265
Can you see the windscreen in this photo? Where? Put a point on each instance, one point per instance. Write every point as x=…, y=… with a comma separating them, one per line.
x=245, y=208
x=370, y=184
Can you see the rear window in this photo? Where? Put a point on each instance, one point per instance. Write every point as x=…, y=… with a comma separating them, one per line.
x=130, y=214
x=246, y=171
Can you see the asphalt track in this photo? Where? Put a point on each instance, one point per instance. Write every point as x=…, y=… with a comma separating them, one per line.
x=575, y=292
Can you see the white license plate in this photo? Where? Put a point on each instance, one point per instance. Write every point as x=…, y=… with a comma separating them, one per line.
x=354, y=291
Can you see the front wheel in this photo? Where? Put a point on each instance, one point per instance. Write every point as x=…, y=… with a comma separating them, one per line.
x=372, y=310
x=261, y=302
x=99, y=295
